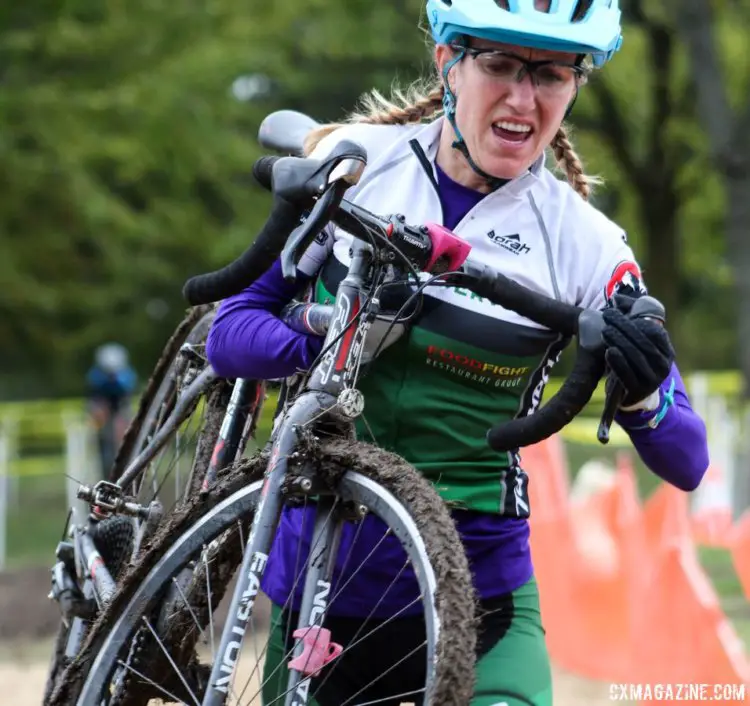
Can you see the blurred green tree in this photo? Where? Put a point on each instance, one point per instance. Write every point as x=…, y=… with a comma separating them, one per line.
x=123, y=156
x=637, y=124
x=129, y=131
x=716, y=38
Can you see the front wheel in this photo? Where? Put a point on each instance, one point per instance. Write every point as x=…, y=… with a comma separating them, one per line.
x=135, y=654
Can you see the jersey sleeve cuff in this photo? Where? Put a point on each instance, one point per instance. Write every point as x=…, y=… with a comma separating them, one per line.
x=650, y=418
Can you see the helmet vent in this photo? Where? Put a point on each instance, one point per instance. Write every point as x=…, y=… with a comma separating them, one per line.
x=581, y=10
x=582, y=7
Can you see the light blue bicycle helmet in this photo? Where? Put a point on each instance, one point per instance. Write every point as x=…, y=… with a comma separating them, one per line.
x=590, y=27
x=582, y=27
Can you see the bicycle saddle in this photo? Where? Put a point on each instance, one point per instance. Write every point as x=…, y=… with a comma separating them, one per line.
x=285, y=131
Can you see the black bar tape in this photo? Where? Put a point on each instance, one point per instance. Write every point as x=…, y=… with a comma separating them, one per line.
x=501, y=290
x=234, y=277
x=263, y=171
x=571, y=398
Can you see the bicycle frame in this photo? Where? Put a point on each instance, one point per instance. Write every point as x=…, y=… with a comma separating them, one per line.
x=328, y=387
x=321, y=394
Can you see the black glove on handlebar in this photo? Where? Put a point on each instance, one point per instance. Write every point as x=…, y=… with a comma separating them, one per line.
x=639, y=353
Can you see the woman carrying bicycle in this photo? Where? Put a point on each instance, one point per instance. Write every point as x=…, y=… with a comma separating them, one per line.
x=507, y=75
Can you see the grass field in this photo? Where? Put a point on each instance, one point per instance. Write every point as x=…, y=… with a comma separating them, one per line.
x=36, y=516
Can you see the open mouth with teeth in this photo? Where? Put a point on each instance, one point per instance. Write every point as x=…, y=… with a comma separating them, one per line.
x=512, y=132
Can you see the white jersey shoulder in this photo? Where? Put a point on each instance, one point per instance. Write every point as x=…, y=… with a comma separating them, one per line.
x=376, y=139
x=588, y=248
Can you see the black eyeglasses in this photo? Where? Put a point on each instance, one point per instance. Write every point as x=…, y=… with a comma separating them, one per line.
x=549, y=76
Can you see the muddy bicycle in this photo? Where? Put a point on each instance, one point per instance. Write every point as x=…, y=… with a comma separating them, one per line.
x=160, y=633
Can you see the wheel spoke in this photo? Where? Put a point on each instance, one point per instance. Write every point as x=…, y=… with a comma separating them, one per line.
x=171, y=661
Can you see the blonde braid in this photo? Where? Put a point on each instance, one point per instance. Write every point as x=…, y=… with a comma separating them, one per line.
x=415, y=105
x=569, y=162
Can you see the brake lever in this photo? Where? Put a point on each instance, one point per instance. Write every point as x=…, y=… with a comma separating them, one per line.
x=304, y=234
x=293, y=243
x=644, y=307
x=612, y=400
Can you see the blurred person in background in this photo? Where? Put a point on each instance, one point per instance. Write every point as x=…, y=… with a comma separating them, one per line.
x=110, y=384
x=507, y=76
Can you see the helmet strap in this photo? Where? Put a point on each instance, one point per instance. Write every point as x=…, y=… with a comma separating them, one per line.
x=449, y=107
x=570, y=107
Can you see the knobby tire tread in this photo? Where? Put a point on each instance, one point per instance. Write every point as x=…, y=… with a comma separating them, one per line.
x=181, y=333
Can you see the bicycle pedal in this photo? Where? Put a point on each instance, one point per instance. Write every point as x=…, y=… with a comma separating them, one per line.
x=317, y=652
x=107, y=500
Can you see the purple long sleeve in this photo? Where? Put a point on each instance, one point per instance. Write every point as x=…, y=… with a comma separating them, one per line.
x=248, y=339
x=676, y=450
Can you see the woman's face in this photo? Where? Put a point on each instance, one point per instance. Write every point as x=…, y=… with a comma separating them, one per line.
x=507, y=123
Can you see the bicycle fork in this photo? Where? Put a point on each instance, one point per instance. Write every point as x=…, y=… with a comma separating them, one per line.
x=259, y=542
x=238, y=424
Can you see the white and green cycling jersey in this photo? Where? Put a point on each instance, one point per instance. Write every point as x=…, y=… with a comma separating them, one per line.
x=465, y=363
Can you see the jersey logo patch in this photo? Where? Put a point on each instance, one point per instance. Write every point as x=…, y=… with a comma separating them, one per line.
x=512, y=243
x=626, y=279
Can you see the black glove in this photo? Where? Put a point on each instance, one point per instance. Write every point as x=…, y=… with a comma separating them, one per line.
x=639, y=352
